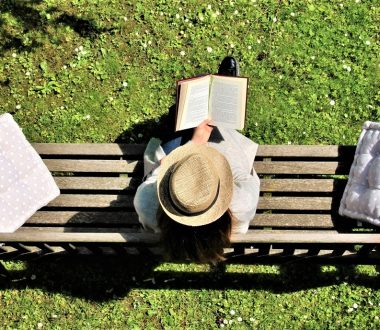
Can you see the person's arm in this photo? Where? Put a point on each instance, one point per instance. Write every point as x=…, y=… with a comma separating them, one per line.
x=146, y=202
x=244, y=200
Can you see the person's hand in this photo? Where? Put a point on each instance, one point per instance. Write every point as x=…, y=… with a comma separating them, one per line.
x=202, y=132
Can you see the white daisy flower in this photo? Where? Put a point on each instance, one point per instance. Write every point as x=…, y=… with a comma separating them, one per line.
x=209, y=49
x=182, y=53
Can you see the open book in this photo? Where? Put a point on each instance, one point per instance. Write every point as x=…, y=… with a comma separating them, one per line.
x=222, y=99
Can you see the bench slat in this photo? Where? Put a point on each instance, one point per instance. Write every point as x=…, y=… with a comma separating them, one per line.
x=63, y=218
x=89, y=149
x=299, y=185
x=128, y=183
x=126, y=201
x=295, y=203
x=94, y=183
x=279, y=167
x=293, y=220
x=77, y=200
x=114, y=149
x=89, y=165
x=251, y=237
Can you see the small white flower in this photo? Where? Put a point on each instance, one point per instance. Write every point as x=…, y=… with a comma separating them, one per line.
x=64, y=67
x=239, y=319
x=39, y=325
x=355, y=305
x=201, y=18
x=275, y=19
x=341, y=5
x=346, y=34
x=225, y=321
x=209, y=7
x=76, y=50
x=312, y=57
x=80, y=48
x=209, y=49
x=236, y=12
x=18, y=106
x=157, y=120
x=256, y=124
x=125, y=84
x=350, y=310
x=344, y=66
x=125, y=18
x=376, y=317
x=367, y=42
x=230, y=321
x=111, y=98
x=332, y=102
x=182, y=53
x=54, y=316
x=214, y=15
x=370, y=302
x=180, y=8
x=258, y=41
x=177, y=16
x=232, y=312
x=289, y=142
x=87, y=117
x=232, y=45
x=161, y=13
x=186, y=20
x=292, y=14
x=149, y=42
x=357, y=1
x=27, y=73
x=144, y=45
x=249, y=47
x=348, y=68
x=14, y=55
x=217, y=13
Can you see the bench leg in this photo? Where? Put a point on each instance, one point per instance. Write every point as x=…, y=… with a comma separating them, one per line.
x=4, y=274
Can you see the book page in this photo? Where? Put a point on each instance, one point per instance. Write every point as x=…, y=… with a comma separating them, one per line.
x=228, y=101
x=194, y=98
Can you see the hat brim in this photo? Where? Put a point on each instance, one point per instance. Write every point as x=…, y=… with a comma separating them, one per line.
x=223, y=199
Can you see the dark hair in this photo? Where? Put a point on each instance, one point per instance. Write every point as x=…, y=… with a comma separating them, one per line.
x=201, y=244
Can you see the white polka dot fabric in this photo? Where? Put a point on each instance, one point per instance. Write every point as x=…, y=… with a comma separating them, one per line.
x=361, y=198
x=26, y=184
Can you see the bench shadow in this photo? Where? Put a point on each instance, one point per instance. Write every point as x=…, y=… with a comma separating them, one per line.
x=31, y=19
x=109, y=277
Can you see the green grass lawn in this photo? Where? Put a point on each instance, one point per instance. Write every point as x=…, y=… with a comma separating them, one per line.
x=105, y=70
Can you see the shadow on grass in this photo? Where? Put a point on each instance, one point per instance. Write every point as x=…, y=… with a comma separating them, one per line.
x=110, y=277
x=31, y=19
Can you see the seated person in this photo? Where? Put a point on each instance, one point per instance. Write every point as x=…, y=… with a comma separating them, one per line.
x=201, y=187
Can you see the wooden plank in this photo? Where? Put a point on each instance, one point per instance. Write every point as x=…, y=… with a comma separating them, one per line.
x=126, y=201
x=299, y=185
x=112, y=149
x=313, y=151
x=301, y=237
x=292, y=220
x=40, y=236
x=77, y=200
x=94, y=149
x=63, y=218
x=295, y=203
x=97, y=183
x=90, y=165
x=280, y=167
x=252, y=237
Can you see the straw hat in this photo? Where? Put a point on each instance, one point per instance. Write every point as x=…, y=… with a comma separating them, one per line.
x=195, y=185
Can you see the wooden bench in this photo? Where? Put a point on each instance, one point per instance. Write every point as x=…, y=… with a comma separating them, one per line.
x=297, y=219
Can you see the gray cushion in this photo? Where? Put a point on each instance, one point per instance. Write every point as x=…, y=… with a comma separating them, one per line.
x=361, y=198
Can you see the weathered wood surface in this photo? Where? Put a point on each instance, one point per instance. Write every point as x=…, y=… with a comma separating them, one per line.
x=97, y=182
x=112, y=149
x=121, y=235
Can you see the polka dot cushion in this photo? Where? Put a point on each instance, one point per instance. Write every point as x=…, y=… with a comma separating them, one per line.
x=361, y=198
x=26, y=184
